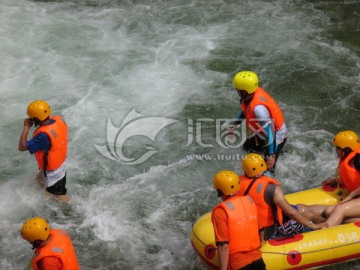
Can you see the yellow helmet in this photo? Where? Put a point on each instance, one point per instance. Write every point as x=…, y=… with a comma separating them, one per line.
x=246, y=80
x=34, y=229
x=253, y=164
x=39, y=109
x=227, y=182
x=346, y=139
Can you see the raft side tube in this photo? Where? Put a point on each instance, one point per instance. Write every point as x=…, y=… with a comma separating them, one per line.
x=319, y=195
x=311, y=249
x=203, y=241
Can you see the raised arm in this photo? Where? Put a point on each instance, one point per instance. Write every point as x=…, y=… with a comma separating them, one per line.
x=23, y=138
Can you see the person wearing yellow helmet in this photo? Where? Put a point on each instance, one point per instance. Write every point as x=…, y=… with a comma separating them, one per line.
x=348, y=210
x=49, y=145
x=347, y=149
x=264, y=119
x=53, y=248
x=348, y=174
x=236, y=226
x=276, y=216
x=347, y=144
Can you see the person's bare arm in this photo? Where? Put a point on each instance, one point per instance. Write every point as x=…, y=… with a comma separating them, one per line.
x=223, y=251
x=23, y=138
x=291, y=212
x=355, y=193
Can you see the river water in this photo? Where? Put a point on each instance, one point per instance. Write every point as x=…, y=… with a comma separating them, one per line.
x=144, y=87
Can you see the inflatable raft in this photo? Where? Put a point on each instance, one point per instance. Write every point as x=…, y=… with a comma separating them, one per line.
x=302, y=251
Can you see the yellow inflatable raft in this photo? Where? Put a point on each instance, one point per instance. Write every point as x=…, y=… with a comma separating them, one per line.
x=302, y=251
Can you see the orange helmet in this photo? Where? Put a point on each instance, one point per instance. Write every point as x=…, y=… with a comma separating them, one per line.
x=253, y=164
x=227, y=182
x=346, y=139
x=39, y=109
x=34, y=229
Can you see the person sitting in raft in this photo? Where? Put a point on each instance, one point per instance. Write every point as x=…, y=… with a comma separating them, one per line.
x=277, y=217
x=347, y=149
x=348, y=210
x=53, y=248
x=236, y=226
x=346, y=142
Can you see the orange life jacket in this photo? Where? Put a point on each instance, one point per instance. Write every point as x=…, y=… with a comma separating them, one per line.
x=350, y=177
x=242, y=223
x=256, y=192
x=56, y=155
x=262, y=98
x=59, y=246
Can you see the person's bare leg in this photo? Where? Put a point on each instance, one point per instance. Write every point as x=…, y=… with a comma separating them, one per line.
x=343, y=211
x=40, y=179
x=350, y=220
x=329, y=210
x=316, y=212
x=61, y=198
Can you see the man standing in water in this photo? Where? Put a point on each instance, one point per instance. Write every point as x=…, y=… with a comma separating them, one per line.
x=264, y=119
x=49, y=144
x=53, y=248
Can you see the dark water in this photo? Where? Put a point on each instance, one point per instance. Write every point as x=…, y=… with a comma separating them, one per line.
x=169, y=61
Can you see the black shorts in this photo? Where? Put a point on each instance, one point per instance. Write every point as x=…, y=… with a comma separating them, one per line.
x=289, y=229
x=58, y=188
x=256, y=265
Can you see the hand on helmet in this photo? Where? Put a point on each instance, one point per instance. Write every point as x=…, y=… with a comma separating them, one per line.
x=28, y=122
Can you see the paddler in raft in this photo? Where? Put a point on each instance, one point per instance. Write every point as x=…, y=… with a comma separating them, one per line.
x=277, y=217
x=348, y=174
x=236, y=226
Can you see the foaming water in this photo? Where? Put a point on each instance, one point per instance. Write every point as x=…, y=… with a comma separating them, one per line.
x=98, y=60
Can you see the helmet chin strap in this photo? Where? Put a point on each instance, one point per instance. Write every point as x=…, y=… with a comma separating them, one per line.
x=247, y=99
x=36, y=244
x=36, y=122
x=219, y=193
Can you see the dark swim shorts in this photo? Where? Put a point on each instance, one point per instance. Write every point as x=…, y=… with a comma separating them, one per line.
x=58, y=188
x=288, y=229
